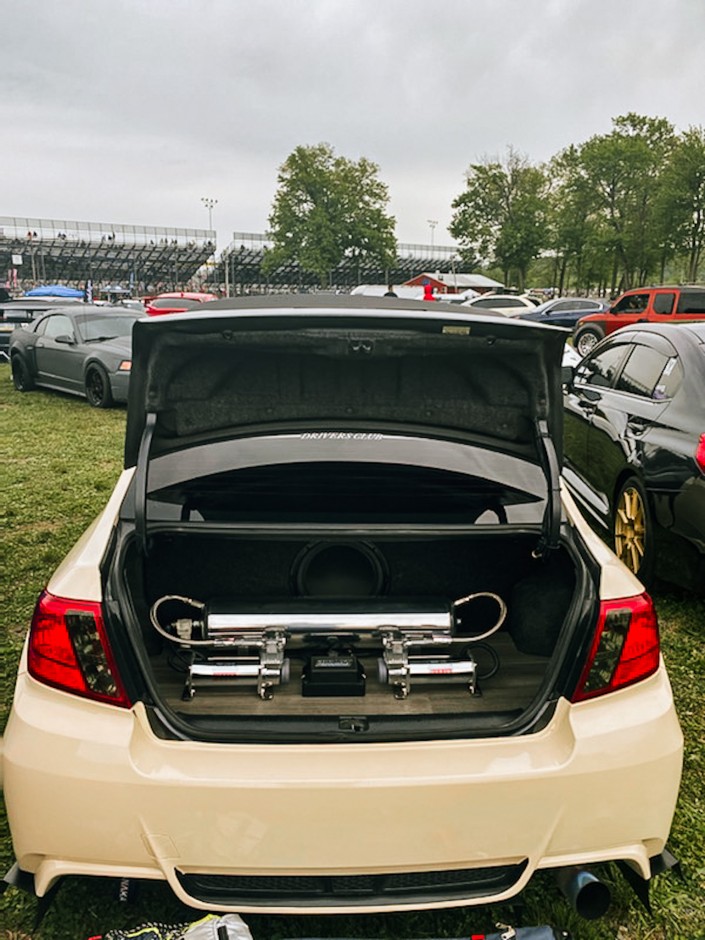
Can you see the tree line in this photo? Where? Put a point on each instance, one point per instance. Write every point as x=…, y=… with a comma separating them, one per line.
x=621, y=209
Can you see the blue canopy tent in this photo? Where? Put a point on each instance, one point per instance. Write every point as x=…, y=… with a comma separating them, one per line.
x=54, y=290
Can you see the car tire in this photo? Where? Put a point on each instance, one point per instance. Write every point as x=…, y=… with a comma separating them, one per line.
x=21, y=378
x=586, y=339
x=633, y=531
x=97, y=385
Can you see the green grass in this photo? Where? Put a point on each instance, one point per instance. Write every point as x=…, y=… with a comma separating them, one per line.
x=60, y=459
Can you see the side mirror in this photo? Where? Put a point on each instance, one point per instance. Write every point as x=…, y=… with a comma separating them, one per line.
x=64, y=339
x=567, y=373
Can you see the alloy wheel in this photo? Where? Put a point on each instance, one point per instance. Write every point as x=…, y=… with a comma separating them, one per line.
x=98, y=388
x=586, y=341
x=630, y=528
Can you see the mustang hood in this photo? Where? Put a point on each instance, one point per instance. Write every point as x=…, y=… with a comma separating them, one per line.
x=241, y=366
x=120, y=345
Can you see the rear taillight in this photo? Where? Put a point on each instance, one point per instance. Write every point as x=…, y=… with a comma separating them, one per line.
x=624, y=650
x=700, y=453
x=69, y=650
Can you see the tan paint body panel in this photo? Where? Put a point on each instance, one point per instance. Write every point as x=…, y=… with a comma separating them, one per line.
x=354, y=809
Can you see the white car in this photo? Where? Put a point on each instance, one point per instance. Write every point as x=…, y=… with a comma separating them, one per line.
x=340, y=640
x=510, y=305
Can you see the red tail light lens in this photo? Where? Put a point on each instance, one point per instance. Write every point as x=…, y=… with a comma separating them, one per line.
x=624, y=650
x=69, y=650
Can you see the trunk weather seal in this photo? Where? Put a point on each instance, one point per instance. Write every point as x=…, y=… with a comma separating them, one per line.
x=550, y=537
x=142, y=480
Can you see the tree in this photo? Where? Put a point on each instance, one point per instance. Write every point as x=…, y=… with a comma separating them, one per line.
x=500, y=217
x=623, y=170
x=328, y=208
x=572, y=231
x=681, y=205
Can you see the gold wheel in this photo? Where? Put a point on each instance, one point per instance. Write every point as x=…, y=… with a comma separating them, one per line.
x=630, y=528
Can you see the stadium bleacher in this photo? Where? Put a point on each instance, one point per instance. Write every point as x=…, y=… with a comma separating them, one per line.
x=240, y=267
x=150, y=259
x=143, y=258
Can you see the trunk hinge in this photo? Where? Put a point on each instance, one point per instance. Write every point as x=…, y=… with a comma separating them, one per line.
x=550, y=536
x=141, y=480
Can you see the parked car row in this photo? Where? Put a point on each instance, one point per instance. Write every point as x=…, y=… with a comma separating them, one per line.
x=634, y=444
x=340, y=641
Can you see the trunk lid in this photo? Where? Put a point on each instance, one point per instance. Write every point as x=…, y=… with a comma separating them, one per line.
x=270, y=364
x=266, y=362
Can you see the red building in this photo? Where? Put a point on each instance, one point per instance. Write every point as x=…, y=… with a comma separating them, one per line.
x=453, y=283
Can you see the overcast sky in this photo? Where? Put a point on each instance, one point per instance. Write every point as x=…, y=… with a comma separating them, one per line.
x=131, y=111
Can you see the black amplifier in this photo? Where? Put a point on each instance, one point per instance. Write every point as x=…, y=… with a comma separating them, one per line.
x=333, y=675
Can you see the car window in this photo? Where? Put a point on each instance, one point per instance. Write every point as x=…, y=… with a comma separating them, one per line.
x=691, y=302
x=58, y=325
x=663, y=303
x=602, y=368
x=669, y=380
x=168, y=303
x=489, y=302
x=632, y=303
x=642, y=371
x=96, y=327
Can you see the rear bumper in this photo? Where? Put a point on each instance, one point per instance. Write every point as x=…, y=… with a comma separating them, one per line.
x=90, y=791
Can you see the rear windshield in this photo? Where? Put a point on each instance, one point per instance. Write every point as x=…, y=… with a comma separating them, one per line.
x=295, y=480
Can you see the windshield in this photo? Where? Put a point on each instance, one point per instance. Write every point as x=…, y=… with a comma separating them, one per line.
x=107, y=327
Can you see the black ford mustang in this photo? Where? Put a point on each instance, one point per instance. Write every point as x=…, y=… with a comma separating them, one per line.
x=635, y=447
x=85, y=350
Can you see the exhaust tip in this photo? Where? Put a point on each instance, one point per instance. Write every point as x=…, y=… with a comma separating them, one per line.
x=588, y=896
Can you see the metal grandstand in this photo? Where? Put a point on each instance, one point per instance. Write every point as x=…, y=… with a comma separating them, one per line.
x=239, y=267
x=146, y=259
x=141, y=257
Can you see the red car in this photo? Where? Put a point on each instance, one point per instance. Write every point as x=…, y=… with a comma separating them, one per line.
x=176, y=302
x=642, y=305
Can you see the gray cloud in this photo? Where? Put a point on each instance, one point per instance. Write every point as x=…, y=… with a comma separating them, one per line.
x=132, y=110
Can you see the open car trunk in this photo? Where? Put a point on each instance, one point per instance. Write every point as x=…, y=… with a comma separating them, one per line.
x=445, y=623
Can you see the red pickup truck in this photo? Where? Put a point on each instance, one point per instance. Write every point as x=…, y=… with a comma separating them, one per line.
x=642, y=305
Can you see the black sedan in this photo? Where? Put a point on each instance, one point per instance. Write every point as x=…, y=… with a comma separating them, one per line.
x=635, y=447
x=564, y=311
x=85, y=350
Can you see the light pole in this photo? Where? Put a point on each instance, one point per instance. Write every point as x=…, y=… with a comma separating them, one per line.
x=209, y=204
x=432, y=223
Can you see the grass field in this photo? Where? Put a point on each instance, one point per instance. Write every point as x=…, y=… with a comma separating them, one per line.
x=59, y=461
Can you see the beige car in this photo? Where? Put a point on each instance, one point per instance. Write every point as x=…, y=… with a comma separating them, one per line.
x=340, y=641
